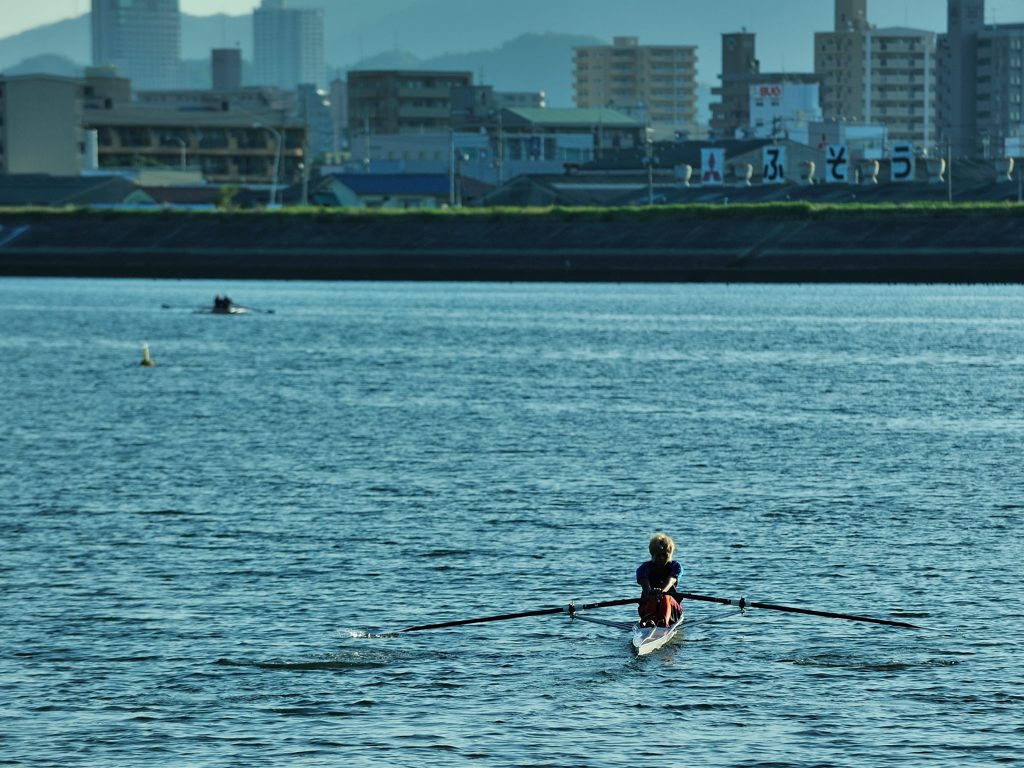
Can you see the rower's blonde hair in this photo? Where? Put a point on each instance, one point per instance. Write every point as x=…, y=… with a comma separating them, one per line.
x=661, y=542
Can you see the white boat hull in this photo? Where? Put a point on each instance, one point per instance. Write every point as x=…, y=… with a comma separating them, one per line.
x=649, y=639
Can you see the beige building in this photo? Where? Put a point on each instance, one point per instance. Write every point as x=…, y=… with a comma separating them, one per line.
x=881, y=76
x=654, y=84
x=234, y=147
x=231, y=138
x=40, y=125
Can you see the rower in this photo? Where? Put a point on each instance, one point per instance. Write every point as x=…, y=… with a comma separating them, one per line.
x=658, y=578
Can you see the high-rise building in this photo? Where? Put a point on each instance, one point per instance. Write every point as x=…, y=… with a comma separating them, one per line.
x=981, y=82
x=141, y=38
x=958, y=75
x=739, y=68
x=288, y=45
x=999, y=110
x=655, y=84
x=851, y=15
x=878, y=76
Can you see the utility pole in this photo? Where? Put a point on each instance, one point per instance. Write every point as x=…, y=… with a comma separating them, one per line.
x=949, y=170
x=366, y=142
x=451, y=168
x=650, y=168
x=501, y=150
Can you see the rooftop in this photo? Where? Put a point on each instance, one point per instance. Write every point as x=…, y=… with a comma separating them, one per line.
x=608, y=118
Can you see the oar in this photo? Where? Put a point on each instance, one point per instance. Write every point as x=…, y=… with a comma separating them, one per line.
x=571, y=608
x=257, y=310
x=743, y=603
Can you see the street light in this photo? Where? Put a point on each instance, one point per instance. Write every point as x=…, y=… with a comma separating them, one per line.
x=184, y=149
x=277, y=160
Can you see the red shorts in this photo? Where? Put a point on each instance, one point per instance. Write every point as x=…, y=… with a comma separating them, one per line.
x=663, y=610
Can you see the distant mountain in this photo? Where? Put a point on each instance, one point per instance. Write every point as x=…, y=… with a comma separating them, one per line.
x=359, y=29
x=69, y=38
x=72, y=39
x=527, y=63
x=48, y=64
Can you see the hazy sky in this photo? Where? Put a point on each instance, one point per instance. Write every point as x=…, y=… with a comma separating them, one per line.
x=17, y=16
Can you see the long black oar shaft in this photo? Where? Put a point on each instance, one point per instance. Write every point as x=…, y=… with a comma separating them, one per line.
x=521, y=615
x=743, y=603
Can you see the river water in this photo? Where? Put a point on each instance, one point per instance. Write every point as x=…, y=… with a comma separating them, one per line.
x=188, y=553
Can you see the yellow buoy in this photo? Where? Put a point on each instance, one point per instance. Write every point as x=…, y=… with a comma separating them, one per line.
x=146, y=359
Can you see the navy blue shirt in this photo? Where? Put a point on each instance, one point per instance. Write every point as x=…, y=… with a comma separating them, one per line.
x=659, y=575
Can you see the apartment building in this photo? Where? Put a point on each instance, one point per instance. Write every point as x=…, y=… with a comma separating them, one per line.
x=140, y=38
x=957, y=71
x=288, y=45
x=654, y=84
x=234, y=147
x=40, y=125
x=880, y=76
x=231, y=137
x=1000, y=88
x=402, y=101
x=981, y=82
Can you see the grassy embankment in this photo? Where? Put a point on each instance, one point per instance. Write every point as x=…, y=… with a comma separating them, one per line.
x=776, y=211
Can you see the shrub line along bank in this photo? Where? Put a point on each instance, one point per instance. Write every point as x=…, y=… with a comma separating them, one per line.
x=922, y=242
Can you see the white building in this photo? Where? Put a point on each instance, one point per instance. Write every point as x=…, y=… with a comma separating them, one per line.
x=140, y=38
x=864, y=141
x=784, y=110
x=288, y=45
x=473, y=155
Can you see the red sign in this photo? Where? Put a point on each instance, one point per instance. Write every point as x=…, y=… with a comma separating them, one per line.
x=769, y=91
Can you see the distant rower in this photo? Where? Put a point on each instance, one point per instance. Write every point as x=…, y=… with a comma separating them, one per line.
x=222, y=304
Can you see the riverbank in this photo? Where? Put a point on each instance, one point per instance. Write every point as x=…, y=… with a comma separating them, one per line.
x=767, y=243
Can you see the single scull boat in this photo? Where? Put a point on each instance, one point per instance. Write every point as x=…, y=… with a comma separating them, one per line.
x=646, y=640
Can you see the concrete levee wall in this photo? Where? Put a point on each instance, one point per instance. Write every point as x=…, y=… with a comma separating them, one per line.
x=861, y=247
